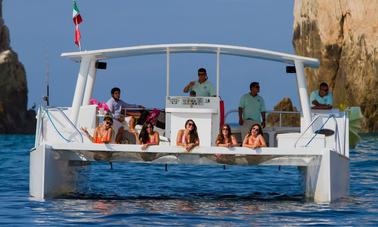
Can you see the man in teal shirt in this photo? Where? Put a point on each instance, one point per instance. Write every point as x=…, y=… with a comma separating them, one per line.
x=322, y=98
x=251, y=109
x=201, y=87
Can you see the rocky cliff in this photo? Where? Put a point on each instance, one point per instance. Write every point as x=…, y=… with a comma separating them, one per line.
x=14, y=116
x=284, y=120
x=343, y=34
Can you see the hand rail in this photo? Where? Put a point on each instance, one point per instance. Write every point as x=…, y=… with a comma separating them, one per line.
x=268, y=112
x=345, y=129
x=67, y=119
x=337, y=134
x=38, y=127
x=71, y=123
x=56, y=129
x=337, y=138
x=308, y=127
x=321, y=127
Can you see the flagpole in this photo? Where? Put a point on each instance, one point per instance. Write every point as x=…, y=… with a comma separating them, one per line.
x=47, y=71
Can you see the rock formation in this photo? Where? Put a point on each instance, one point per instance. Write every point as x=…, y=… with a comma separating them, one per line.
x=343, y=34
x=14, y=116
x=287, y=120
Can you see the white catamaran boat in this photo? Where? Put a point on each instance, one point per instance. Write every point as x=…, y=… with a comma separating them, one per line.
x=319, y=146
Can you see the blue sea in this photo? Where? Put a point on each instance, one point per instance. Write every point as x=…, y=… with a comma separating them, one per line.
x=186, y=195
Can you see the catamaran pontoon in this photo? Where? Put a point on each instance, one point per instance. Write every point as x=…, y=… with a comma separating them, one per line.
x=323, y=158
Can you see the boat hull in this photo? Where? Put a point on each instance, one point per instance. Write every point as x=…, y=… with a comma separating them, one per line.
x=56, y=169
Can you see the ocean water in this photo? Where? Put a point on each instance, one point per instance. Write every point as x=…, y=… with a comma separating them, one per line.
x=186, y=195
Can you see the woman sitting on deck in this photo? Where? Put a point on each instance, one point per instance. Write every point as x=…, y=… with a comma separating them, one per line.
x=148, y=136
x=188, y=137
x=225, y=138
x=127, y=136
x=255, y=138
x=103, y=133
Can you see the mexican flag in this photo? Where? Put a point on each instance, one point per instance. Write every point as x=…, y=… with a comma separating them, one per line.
x=76, y=14
x=77, y=20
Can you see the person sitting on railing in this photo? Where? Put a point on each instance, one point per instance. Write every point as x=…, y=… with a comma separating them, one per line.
x=103, y=133
x=121, y=122
x=255, y=138
x=251, y=109
x=116, y=105
x=322, y=98
x=132, y=124
x=127, y=135
x=202, y=86
x=148, y=136
x=188, y=137
x=225, y=138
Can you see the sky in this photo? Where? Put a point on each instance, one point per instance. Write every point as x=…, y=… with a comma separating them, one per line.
x=40, y=30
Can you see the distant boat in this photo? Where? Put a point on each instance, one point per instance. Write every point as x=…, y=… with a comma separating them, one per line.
x=319, y=146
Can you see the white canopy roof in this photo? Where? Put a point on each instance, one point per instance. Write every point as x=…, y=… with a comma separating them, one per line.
x=193, y=48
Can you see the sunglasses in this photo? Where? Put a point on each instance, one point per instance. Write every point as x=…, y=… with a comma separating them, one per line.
x=108, y=123
x=201, y=74
x=190, y=124
x=255, y=129
x=225, y=129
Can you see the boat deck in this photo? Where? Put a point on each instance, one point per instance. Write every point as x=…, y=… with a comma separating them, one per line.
x=177, y=155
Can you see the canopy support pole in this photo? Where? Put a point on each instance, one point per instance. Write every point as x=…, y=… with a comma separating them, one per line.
x=218, y=70
x=90, y=82
x=168, y=71
x=303, y=96
x=79, y=90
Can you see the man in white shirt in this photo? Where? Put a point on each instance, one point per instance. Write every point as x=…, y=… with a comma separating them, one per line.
x=116, y=105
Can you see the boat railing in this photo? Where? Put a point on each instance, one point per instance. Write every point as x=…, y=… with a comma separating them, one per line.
x=47, y=109
x=337, y=136
x=305, y=131
x=317, y=131
x=38, y=129
x=283, y=117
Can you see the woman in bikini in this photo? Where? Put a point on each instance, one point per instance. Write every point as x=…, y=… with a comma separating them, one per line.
x=148, y=136
x=225, y=138
x=188, y=137
x=103, y=133
x=255, y=138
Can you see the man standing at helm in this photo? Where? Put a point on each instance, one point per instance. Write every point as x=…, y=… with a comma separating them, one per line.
x=201, y=87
